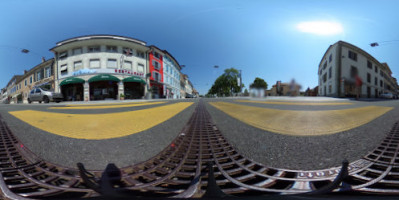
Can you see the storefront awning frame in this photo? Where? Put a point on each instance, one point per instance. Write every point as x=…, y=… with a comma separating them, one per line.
x=134, y=79
x=72, y=80
x=103, y=77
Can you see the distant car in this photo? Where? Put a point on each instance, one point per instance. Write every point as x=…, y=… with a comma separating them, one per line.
x=387, y=95
x=41, y=94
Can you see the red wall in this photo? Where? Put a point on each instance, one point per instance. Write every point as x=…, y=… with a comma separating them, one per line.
x=160, y=61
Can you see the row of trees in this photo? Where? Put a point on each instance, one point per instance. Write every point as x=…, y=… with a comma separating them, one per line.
x=227, y=84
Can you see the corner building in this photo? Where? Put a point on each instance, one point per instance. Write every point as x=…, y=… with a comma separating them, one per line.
x=342, y=62
x=101, y=67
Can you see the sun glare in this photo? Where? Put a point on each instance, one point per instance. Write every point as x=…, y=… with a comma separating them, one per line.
x=320, y=27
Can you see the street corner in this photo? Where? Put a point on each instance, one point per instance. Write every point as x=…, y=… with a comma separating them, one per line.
x=302, y=122
x=100, y=126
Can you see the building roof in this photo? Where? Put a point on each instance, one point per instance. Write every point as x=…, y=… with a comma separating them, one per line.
x=351, y=46
x=49, y=61
x=173, y=58
x=17, y=79
x=100, y=36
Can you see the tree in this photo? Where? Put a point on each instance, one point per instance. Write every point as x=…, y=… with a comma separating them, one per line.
x=258, y=84
x=226, y=84
x=246, y=93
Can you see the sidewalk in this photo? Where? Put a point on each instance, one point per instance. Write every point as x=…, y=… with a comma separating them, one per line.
x=299, y=98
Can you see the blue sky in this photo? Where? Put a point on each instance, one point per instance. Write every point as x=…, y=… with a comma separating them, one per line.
x=259, y=37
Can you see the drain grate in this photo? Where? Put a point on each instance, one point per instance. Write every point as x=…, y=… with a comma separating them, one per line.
x=180, y=170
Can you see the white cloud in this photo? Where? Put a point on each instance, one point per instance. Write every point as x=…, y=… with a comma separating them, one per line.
x=320, y=27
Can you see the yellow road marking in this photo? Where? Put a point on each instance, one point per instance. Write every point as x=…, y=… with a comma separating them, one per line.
x=298, y=103
x=100, y=126
x=107, y=106
x=302, y=123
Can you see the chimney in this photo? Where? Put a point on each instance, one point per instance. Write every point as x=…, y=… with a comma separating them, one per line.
x=43, y=59
x=25, y=71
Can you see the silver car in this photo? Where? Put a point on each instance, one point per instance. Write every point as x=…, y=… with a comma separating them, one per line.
x=387, y=95
x=41, y=94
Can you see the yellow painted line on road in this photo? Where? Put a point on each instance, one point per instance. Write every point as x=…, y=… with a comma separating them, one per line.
x=302, y=123
x=298, y=103
x=100, y=126
x=106, y=106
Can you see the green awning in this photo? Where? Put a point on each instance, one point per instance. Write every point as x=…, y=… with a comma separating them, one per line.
x=134, y=79
x=103, y=77
x=71, y=80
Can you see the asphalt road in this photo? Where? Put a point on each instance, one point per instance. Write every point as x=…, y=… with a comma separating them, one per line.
x=305, y=152
x=96, y=154
x=272, y=149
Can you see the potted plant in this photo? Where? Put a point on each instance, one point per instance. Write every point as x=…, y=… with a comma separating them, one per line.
x=122, y=97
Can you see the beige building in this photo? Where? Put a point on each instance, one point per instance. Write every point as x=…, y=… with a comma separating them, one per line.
x=286, y=89
x=342, y=62
x=42, y=75
x=13, y=90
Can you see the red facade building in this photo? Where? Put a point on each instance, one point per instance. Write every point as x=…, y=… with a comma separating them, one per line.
x=156, y=70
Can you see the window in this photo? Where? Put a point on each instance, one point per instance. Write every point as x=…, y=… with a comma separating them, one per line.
x=63, y=55
x=329, y=72
x=329, y=88
x=77, y=51
x=325, y=65
x=156, y=76
x=94, y=63
x=127, y=51
x=26, y=82
x=324, y=77
x=127, y=65
x=330, y=58
x=77, y=65
x=32, y=91
x=64, y=70
x=140, y=54
x=140, y=68
x=112, y=49
x=47, y=72
x=376, y=81
x=37, y=90
x=38, y=75
x=94, y=49
x=381, y=73
x=381, y=83
x=156, y=64
x=369, y=65
x=111, y=63
x=156, y=55
x=376, y=69
x=368, y=78
x=352, y=55
x=30, y=79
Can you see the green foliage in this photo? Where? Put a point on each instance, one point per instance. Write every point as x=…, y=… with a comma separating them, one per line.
x=226, y=84
x=246, y=93
x=258, y=84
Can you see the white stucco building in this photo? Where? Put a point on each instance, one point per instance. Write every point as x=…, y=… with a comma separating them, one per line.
x=171, y=74
x=101, y=67
x=339, y=67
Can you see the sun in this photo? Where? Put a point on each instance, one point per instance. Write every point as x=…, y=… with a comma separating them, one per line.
x=320, y=27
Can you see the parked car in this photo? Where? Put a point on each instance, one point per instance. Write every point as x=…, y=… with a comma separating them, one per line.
x=45, y=95
x=387, y=95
